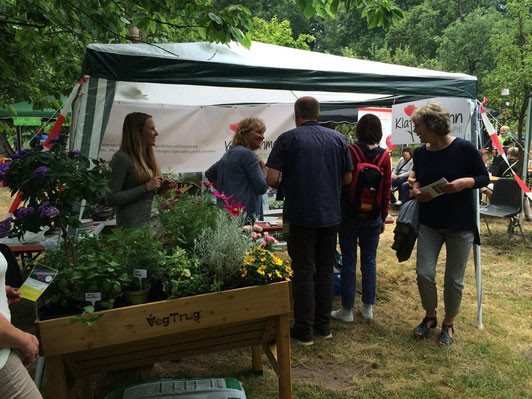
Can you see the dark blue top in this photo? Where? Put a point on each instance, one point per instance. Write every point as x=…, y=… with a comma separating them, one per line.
x=450, y=211
x=238, y=173
x=312, y=160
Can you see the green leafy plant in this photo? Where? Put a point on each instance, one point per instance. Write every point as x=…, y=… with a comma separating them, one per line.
x=52, y=185
x=221, y=249
x=263, y=267
x=184, y=216
x=185, y=278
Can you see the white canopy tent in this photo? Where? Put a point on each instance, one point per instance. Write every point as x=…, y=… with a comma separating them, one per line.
x=189, y=78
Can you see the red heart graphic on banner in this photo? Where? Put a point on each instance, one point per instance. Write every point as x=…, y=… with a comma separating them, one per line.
x=233, y=126
x=409, y=109
x=389, y=143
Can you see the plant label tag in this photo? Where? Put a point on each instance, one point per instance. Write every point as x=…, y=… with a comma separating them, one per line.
x=140, y=273
x=37, y=282
x=93, y=297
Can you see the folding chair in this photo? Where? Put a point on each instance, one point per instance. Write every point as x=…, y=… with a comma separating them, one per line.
x=505, y=202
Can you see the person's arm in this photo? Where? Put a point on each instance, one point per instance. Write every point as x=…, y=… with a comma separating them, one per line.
x=407, y=168
x=12, y=337
x=254, y=172
x=346, y=178
x=118, y=196
x=273, y=177
x=478, y=175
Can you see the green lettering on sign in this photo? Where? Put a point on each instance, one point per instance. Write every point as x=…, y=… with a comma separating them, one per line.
x=27, y=121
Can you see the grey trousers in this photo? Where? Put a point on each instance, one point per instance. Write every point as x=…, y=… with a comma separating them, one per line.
x=458, y=245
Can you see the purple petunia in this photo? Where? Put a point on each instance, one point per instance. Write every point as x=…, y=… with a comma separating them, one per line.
x=73, y=153
x=4, y=168
x=20, y=154
x=48, y=211
x=41, y=171
x=21, y=212
x=5, y=227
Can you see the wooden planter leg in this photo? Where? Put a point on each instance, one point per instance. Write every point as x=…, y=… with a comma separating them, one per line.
x=256, y=359
x=86, y=384
x=55, y=372
x=283, y=357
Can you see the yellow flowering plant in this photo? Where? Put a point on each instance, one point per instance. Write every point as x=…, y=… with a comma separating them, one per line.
x=263, y=267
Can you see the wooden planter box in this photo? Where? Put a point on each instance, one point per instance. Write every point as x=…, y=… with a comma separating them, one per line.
x=138, y=335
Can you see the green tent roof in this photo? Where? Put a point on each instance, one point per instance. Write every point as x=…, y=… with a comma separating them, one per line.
x=266, y=66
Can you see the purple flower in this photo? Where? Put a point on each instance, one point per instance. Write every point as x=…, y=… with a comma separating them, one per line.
x=21, y=212
x=4, y=168
x=20, y=154
x=49, y=211
x=60, y=139
x=41, y=171
x=73, y=153
x=5, y=227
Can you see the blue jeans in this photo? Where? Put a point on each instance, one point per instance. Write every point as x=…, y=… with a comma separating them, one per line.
x=367, y=234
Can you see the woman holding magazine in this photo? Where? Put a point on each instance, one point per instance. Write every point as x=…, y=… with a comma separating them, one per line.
x=449, y=218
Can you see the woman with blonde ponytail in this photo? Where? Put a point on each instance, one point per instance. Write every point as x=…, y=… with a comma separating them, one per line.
x=135, y=173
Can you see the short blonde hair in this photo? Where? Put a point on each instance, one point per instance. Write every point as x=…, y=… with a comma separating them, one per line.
x=435, y=117
x=505, y=129
x=245, y=126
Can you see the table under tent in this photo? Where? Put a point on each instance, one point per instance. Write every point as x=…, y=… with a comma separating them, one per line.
x=197, y=91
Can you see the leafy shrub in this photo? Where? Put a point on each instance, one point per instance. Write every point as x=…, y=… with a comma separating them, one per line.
x=184, y=276
x=221, y=250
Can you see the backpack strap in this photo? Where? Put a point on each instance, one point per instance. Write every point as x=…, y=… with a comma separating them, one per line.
x=357, y=153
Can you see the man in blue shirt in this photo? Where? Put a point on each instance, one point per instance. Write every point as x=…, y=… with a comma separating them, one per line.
x=314, y=163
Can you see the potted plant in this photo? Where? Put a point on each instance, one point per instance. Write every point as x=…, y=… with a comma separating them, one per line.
x=221, y=250
x=51, y=185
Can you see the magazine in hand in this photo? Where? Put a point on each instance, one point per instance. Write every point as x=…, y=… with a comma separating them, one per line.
x=433, y=188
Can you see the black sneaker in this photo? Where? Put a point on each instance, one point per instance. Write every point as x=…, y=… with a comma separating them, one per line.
x=300, y=338
x=323, y=334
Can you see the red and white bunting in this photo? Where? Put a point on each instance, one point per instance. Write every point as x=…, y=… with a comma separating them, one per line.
x=496, y=142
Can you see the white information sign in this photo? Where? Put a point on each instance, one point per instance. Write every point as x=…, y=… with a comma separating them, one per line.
x=460, y=109
x=191, y=139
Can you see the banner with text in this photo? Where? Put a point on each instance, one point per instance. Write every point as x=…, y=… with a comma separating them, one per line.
x=460, y=109
x=191, y=139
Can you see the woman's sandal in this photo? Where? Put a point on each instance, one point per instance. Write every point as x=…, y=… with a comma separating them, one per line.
x=445, y=338
x=422, y=330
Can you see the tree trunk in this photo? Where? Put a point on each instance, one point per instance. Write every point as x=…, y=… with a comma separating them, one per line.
x=5, y=148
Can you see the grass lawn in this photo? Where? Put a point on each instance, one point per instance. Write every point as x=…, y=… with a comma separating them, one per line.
x=380, y=359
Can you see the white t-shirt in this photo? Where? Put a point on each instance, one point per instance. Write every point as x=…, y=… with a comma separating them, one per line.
x=4, y=307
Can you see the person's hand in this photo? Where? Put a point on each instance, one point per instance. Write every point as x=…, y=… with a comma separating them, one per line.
x=13, y=295
x=457, y=185
x=421, y=196
x=29, y=348
x=383, y=227
x=394, y=176
x=154, y=183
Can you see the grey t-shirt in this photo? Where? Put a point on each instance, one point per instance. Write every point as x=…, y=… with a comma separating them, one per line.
x=132, y=199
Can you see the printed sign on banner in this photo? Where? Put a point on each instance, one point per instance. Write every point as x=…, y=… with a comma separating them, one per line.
x=460, y=109
x=385, y=116
x=191, y=139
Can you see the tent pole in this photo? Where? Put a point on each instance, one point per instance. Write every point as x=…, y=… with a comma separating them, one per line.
x=526, y=155
x=476, y=248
